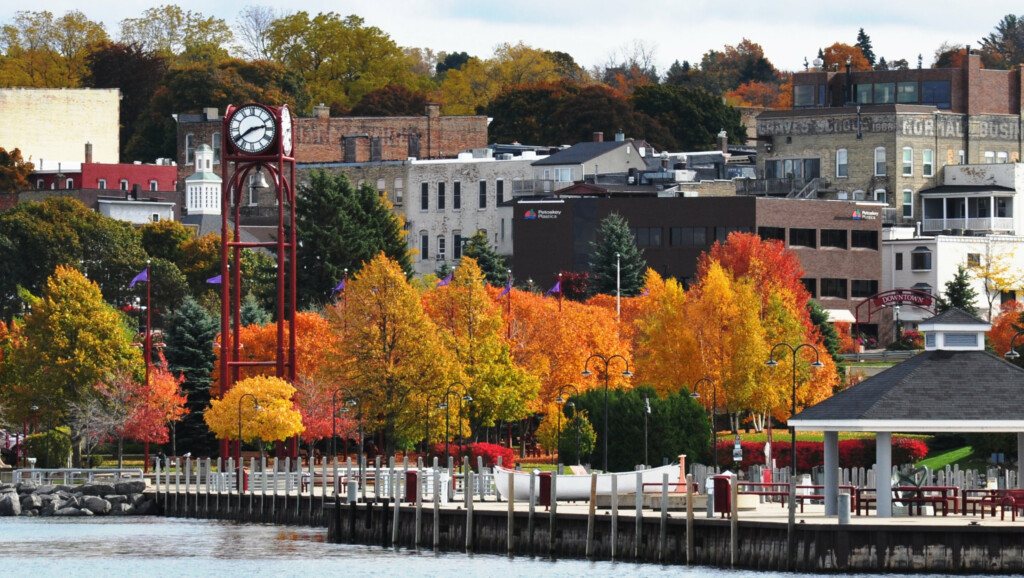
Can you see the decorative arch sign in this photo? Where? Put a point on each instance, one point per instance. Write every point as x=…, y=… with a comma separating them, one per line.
x=891, y=298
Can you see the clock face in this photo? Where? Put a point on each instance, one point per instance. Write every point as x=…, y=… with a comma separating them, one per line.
x=286, y=130
x=252, y=129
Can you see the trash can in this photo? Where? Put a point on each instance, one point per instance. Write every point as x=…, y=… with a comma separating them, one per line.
x=410, y=486
x=766, y=476
x=245, y=479
x=723, y=497
x=545, y=489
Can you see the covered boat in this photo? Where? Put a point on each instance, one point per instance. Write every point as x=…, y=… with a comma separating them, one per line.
x=577, y=487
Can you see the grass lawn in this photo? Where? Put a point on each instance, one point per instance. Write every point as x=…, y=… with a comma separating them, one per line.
x=937, y=462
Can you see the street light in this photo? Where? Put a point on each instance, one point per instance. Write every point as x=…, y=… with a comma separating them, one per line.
x=714, y=409
x=255, y=406
x=334, y=416
x=586, y=372
x=1012, y=353
x=444, y=405
x=558, y=442
x=817, y=364
x=426, y=426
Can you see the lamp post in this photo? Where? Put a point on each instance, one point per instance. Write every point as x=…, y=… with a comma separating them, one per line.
x=586, y=372
x=444, y=405
x=714, y=409
x=334, y=415
x=255, y=406
x=1012, y=354
x=558, y=442
x=647, y=412
x=426, y=426
x=896, y=323
x=35, y=409
x=816, y=364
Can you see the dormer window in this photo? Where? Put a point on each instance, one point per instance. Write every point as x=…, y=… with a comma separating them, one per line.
x=921, y=259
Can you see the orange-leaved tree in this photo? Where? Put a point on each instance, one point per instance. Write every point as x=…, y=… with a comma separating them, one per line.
x=1005, y=325
x=162, y=402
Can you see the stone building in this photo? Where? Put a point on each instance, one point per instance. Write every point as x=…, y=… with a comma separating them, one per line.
x=888, y=135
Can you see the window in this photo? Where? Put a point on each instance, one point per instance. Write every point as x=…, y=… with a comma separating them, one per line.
x=908, y=204
x=424, y=196
x=440, y=196
x=457, y=195
x=863, y=94
x=647, y=236
x=899, y=261
x=906, y=92
x=216, y=148
x=440, y=248
x=722, y=233
x=835, y=288
x=803, y=96
x=841, y=164
x=863, y=288
x=190, y=148
x=124, y=184
x=833, y=238
x=811, y=286
x=921, y=259
x=990, y=157
x=424, y=245
x=1002, y=157
x=802, y=238
x=101, y=184
x=974, y=259
x=688, y=237
x=961, y=339
x=962, y=157
x=40, y=184
x=69, y=183
x=399, y=194
x=881, y=197
x=908, y=162
x=864, y=239
x=772, y=233
x=456, y=244
x=499, y=192
x=381, y=185
x=936, y=93
x=153, y=186
x=563, y=175
x=858, y=195
x=155, y=218
x=483, y=195
x=885, y=93
x=928, y=163
x=880, y=162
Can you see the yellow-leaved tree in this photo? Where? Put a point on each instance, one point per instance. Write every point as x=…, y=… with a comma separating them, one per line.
x=665, y=344
x=254, y=408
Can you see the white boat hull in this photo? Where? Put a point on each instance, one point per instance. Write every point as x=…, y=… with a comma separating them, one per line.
x=571, y=487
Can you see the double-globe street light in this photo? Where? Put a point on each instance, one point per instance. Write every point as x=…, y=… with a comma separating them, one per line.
x=444, y=405
x=256, y=407
x=817, y=364
x=714, y=409
x=586, y=372
x=558, y=437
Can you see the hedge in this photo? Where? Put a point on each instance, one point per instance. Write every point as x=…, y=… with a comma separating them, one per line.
x=853, y=453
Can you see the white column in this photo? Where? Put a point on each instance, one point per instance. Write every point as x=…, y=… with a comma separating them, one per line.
x=1020, y=462
x=831, y=473
x=883, y=474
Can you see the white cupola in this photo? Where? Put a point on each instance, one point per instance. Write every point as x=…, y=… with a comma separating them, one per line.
x=203, y=188
x=954, y=330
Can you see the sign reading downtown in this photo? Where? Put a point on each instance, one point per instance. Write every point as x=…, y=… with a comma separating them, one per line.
x=900, y=297
x=541, y=214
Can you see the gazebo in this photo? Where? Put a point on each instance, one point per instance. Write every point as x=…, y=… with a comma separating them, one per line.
x=953, y=386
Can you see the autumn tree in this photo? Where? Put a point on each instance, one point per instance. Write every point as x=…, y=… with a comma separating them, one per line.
x=694, y=117
x=1006, y=43
x=526, y=113
x=43, y=51
x=599, y=108
x=164, y=239
x=391, y=100
x=615, y=260
x=144, y=409
x=756, y=93
x=1005, y=325
x=839, y=53
x=664, y=340
x=389, y=353
x=262, y=405
x=14, y=171
x=998, y=271
x=469, y=89
x=183, y=36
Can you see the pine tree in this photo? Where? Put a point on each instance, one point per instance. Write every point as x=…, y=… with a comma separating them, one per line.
x=617, y=244
x=864, y=42
x=959, y=294
x=490, y=262
x=882, y=64
x=189, y=334
x=253, y=313
x=828, y=332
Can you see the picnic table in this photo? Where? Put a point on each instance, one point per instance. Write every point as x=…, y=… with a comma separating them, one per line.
x=918, y=496
x=781, y=490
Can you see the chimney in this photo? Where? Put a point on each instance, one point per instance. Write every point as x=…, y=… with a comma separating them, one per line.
x=723, y=142
x=598, y=136
x=620, y=136
x=211, y=113
x=88, y=152
x=433, y=109
x=321, y=112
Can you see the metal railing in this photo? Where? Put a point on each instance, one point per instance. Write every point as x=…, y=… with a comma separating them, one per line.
x=71, y=476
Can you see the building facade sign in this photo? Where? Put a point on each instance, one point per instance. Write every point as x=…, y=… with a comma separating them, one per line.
x=903, y=298
x=942, y=126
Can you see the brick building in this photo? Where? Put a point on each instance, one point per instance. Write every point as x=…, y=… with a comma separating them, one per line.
x=837, y=242
x=887, y=135
x=322, y=139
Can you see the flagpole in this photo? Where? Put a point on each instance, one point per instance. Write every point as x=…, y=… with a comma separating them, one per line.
x=559, y=292
x=509, y=310
x=148, y=344
x=618, y=288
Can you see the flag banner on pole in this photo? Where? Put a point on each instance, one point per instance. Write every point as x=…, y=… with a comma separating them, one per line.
x=340, y=287
x=444, y=282
x=215, y=279
x=646, y=292
x=144, y=276
x=556, y=289
x=506, y=290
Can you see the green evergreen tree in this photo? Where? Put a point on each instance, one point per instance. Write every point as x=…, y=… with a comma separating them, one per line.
x=253, y=313
x=339, y=226
x=190, y=334
x=959, y=294
x=490, y=262
x=864, y=42
x=616, y=244
x=819, y=317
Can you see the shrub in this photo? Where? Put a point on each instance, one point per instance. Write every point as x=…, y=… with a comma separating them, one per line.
x=856, y=453
x=489, y=452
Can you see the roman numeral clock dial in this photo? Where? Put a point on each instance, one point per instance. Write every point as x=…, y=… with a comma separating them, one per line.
x=252, y=129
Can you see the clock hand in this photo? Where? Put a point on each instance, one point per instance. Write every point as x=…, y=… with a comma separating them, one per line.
x=250, y=129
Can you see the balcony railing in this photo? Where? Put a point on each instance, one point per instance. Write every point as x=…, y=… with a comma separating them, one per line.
x=767, y=187
x=969, y=224
x=537, y=186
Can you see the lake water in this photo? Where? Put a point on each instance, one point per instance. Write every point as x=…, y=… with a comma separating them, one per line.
x=157, y=547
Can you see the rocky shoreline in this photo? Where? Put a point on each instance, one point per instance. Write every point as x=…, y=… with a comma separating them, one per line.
x=91, y=499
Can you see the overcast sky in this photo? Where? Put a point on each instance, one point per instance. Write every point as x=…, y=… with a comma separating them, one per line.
x=595, y=31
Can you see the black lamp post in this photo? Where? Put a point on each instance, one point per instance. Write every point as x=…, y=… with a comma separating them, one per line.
x=1012, y=354
x=426, y=425
x=334, y=415
x=558, y=442
x=816, y=364
x=714, y=409
x=586, y=372
x=255, y=406
x=444, y=405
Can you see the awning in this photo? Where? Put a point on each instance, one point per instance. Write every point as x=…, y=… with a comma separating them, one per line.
x=840, y=315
